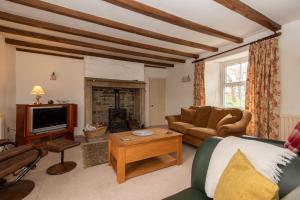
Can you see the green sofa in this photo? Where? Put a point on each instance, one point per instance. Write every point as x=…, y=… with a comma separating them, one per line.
x=290, y=179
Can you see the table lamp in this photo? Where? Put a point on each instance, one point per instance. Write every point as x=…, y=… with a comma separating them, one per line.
x=38, y=92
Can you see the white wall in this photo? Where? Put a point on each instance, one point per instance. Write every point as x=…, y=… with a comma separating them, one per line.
x=290, y=68
x=7, y=84
x=35, y=69
x=179, y=94
x=212, y=83
x=113, y=69
x=152, y=73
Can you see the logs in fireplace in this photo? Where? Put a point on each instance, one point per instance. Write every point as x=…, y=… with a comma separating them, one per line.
x=118, y=119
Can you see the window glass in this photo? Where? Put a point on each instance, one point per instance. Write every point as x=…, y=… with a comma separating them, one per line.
x=234, y=86
x=233, y=73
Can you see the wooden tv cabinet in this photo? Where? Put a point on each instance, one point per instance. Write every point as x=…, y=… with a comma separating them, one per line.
x=23, y=134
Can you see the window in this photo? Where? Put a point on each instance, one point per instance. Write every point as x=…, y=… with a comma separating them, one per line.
x=234, y=78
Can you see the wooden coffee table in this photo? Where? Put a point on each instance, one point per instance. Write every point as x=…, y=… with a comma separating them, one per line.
x=140, y=155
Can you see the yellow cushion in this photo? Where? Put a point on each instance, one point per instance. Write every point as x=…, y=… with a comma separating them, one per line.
x=241, y=181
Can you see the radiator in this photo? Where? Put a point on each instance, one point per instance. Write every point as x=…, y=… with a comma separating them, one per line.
x=287, y=124
x=2, y=127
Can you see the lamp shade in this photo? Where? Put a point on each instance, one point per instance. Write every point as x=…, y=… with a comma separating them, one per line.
x=38, y=90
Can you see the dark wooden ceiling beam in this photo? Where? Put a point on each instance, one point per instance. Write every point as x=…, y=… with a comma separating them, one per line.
x=151, y=66
x=49, y=53
x=250, y=13
x=173, y=19
x=84, y=44
x=110, y=23
x=87, y=34
x=81, y=52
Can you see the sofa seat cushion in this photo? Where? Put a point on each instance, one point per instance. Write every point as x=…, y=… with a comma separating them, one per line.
x=202, y=133
x=181, y=127
x=188, y=194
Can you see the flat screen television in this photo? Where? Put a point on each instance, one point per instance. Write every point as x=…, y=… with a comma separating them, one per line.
x=44, y=119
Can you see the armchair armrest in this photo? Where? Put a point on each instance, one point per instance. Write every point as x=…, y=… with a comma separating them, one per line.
x=15, y=151
x=238, y=128
x=4, y=142
x=172, y=118
x=293, y=195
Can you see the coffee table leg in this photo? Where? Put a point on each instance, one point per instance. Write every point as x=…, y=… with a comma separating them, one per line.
x=121, y=165
x=109, y=152
x=179, y=151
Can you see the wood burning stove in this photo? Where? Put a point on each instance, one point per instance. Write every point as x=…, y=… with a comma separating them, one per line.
x=117, y=119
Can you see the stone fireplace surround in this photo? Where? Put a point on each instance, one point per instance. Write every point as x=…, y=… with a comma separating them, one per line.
x=99, y=97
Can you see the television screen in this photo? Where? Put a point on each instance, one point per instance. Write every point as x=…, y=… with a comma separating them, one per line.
x=45, y=119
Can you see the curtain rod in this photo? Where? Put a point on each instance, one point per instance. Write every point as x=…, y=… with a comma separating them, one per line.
x=265, y=38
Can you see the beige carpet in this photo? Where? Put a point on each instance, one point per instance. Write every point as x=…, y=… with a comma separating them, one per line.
x=99, y=182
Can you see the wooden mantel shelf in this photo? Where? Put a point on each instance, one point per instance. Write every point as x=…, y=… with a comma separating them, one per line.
x=99, y=82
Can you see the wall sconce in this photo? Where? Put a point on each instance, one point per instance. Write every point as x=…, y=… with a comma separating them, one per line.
x=53, y=76
x=186, y=79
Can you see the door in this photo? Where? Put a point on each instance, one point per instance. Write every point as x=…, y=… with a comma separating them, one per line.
x=157, y=94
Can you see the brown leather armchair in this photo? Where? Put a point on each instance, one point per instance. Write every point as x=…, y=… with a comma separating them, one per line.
x=15, y=163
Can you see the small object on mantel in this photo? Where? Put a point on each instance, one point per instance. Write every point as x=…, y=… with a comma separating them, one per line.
x=50, y=102
x=169, y=132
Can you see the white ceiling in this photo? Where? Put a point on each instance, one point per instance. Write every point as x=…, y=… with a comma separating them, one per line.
x=205, y=12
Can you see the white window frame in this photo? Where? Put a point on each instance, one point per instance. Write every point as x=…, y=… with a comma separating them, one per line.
x=222, y=78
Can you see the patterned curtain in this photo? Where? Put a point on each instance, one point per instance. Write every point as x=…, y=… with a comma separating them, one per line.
x=263, y=89
x=199, y=88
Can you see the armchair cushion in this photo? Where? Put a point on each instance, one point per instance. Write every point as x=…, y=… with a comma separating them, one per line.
x=17, y=162
x=187, y=115
x=14, y=152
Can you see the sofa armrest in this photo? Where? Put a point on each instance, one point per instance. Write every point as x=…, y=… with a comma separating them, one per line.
x=238, y=128
x=172, y=118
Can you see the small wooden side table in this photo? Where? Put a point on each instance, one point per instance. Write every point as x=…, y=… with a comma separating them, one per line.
x=59, y=146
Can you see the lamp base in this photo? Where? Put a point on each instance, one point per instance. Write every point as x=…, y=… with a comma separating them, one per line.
x=37, y=100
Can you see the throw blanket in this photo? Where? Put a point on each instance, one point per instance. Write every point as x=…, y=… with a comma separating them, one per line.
x=264, y=157
x=293, y=142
